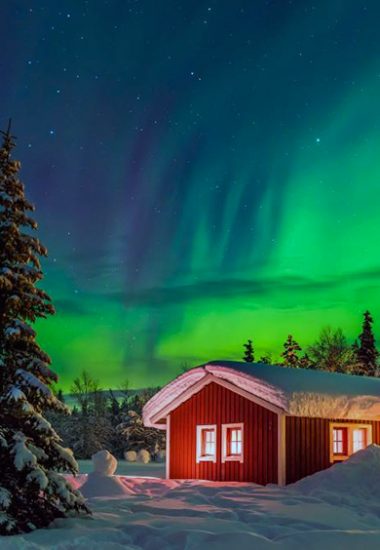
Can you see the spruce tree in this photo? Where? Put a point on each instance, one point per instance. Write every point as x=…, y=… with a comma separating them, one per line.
x=32, y=491
x=366, y=352
x=290, y=354
x=249, y=353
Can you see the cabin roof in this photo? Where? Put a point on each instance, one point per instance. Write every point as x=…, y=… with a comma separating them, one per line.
x=298, y=392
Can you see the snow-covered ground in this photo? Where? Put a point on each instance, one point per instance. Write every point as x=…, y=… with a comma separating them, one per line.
x=334, y=509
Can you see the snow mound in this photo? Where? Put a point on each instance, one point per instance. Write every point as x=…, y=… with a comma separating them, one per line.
x=101, y=482
x=100, y=485
x=197, y=515
x=352, y=482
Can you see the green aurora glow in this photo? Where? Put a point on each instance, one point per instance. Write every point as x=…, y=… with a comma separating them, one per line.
x=204, y=182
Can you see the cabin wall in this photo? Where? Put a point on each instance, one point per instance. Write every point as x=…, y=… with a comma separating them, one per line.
x=215, y=404
x=308, y=444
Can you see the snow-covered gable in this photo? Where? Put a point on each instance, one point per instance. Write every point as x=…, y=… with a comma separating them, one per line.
x=298, y=392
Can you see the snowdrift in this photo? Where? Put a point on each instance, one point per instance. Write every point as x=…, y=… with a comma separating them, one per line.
x=336, y=508
x=353, y=482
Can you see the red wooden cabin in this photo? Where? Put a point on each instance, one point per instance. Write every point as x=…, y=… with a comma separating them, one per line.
x=228, y=421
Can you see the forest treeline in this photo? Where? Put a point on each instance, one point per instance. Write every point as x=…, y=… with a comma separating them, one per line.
x=112, y=419
x=107, y=419
x=330, y=352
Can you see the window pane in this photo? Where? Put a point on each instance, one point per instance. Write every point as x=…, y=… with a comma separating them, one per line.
x=234, y=441
x=209, y=436
x=208, y=442
x=339, y=441
x=359, y=439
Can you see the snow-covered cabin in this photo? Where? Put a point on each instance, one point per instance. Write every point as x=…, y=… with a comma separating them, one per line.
x=229, y=421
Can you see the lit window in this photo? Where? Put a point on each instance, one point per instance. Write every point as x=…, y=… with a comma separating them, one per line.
x=340, y=441
x=234, y=439
x=359, y=439
x=232, y=442
x=346, y=439
x=206, y=443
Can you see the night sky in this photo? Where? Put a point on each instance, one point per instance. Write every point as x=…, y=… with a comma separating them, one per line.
x=204, y=172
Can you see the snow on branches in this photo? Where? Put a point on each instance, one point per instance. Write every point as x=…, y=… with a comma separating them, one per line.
x=32, y=490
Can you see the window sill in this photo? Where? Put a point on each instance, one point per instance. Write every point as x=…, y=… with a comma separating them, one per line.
x=338, y=458
x=232, y=459
x=206, y=459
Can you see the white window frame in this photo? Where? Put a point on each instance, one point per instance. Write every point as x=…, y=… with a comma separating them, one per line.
x=225, y=456
x=201, y=457
x=350, y=427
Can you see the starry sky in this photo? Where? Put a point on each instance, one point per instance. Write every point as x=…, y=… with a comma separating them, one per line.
x=204, y=172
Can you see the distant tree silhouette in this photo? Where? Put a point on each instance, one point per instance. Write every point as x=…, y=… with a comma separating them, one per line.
x=266, y=359
x=331, y=352
x=366, y=352
x=290, y=355
x=249, y=353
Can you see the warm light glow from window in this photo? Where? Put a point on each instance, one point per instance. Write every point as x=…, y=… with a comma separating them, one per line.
x=359, y=439
x=348, y=438
x=234, y=438
x=208, y=442
x=339, y=441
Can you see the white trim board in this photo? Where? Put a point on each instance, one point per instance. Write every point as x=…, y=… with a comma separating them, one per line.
x=167, y=455
x=184, y=396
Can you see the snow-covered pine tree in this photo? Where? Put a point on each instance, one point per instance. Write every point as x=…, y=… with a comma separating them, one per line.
x=290, y=355
x=32, y=491
x=366, y=352
x=249, y=353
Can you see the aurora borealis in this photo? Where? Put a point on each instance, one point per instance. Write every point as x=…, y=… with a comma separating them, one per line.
x=203, y=172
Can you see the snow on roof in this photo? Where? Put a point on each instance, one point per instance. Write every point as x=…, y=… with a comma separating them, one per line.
x=298, y=392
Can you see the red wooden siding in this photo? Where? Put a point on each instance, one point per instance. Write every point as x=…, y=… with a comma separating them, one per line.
x=308, y=444
x=215, y=404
